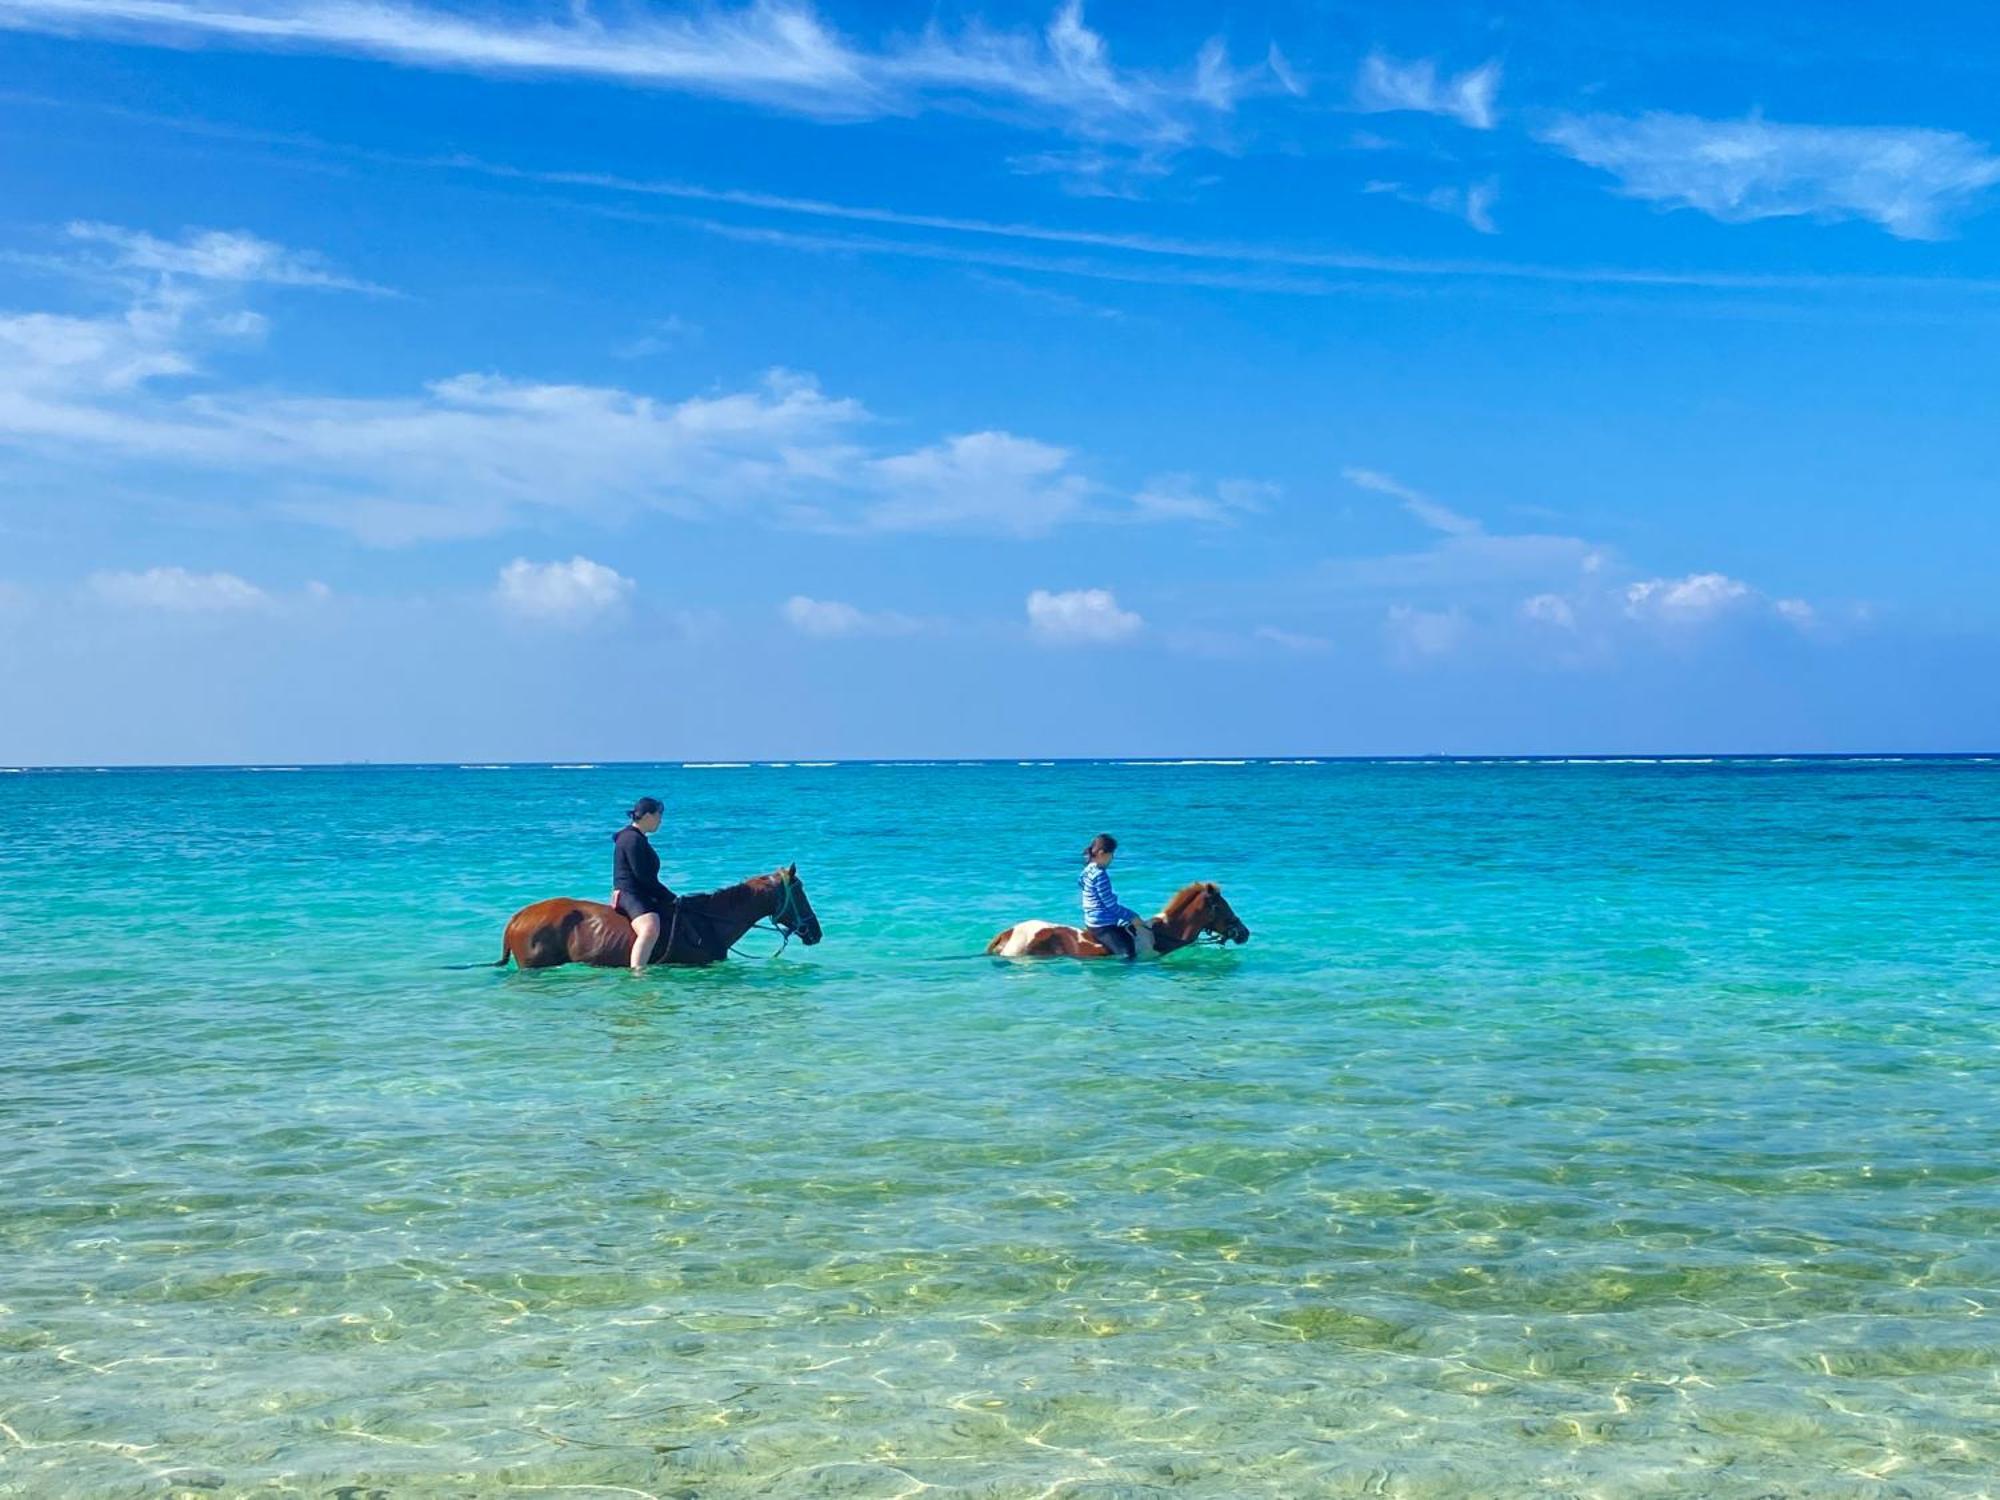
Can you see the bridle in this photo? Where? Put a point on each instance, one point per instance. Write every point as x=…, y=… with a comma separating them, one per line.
x=785, y=920
x=1207, y=933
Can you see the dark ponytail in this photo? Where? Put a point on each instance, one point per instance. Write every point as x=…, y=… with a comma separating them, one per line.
x=646, y=806
x=1104, y=843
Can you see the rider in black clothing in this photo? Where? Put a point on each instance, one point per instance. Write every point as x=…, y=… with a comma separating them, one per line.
x=635, y=878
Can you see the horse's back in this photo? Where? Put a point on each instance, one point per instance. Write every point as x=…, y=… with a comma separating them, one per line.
x=1042, y=940
x=564, y=930
x=1054, y=940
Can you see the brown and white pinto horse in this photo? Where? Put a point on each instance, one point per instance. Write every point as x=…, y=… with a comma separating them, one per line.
x=568, y=931
x=1197, y=911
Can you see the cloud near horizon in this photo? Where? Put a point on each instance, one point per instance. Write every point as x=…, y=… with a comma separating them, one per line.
x=1465, y=588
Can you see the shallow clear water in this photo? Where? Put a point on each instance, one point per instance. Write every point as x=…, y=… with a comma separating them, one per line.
x=1592, y=1130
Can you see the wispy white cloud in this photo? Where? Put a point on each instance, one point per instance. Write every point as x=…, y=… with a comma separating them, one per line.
x=1077, y=617
x=1282, y=70
x=1183, y=497
x=1292, y=640
x=1473, y=203
x=178, y=591
x=778, y=54
x=1045, y=296
x=1121, y=256
x=1437, y=517
x=1096, y=171
x=1465, y=558
x=1913, y=182
x=659, y=337
x=1385, y=85
x=215, y=255
x=561, y=593
x=832, y=618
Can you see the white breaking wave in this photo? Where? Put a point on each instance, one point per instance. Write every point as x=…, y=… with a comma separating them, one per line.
x=1182, y=762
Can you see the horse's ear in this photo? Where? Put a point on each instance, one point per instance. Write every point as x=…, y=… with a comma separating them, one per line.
x=1214, y=889
x=792, y=870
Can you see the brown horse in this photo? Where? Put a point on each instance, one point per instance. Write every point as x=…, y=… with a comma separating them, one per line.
x=1197, y=911
x=702, y=930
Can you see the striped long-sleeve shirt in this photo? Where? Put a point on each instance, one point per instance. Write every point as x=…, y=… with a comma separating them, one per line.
x=1100, y=903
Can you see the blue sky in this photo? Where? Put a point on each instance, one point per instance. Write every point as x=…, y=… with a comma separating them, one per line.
x=592, y=381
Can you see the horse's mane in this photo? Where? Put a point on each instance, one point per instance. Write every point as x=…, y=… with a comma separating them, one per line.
x=753, y=883
x=1186, y=896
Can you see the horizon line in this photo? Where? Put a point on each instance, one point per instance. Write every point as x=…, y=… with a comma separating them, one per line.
x=1300, y=758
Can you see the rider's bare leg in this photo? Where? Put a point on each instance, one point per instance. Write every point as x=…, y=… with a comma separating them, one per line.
x=645, y=933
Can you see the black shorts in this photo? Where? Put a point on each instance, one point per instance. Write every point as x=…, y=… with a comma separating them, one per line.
x=1116, y=939
x=637, y=906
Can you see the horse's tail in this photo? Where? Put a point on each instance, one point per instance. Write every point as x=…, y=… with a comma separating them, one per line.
x=498, y=963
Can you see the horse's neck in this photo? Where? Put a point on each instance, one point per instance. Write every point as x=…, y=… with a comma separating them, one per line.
x=736, y=909
x=1177, y=930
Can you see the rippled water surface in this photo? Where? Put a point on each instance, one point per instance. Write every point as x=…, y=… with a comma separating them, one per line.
x=1565, y=1130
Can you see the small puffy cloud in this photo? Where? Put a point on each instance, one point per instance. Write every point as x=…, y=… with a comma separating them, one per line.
x=1549, y=609
x=989, y=482
x=830, y=619
x=1080, y=617
x=1796, y=612
x=1685, y=601
x=1416, y=633
x=1912, y=182
x=562, y=593
x=178, y=591
x=1385, y=85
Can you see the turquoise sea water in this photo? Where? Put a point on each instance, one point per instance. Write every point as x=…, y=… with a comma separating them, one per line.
x=1565, y=1130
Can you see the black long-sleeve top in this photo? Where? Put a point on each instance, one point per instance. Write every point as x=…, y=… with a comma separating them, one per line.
x=635, y=869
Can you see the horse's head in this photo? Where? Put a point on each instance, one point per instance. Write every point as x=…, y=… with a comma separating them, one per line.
x=1216, y=918
x=794, y=915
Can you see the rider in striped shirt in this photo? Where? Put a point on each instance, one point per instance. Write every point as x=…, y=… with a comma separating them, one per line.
x=1105, y=921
